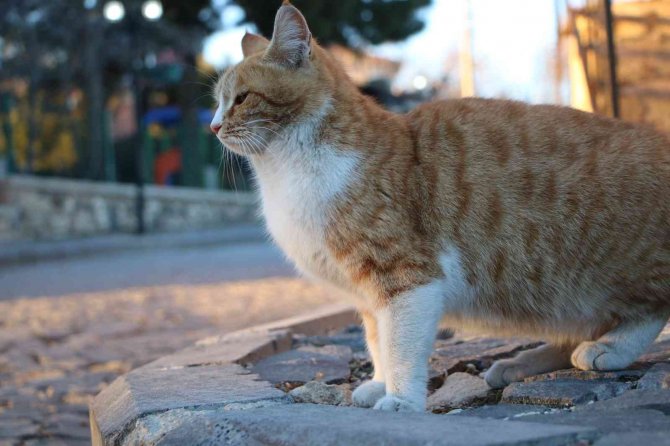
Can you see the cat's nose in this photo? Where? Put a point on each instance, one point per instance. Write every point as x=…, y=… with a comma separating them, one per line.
x=215, y=126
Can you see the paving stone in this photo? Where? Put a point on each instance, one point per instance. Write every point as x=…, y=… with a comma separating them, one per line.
x=562, y=392
x=504, y=411
x=240, y=347
x=148, y=390
x=626, y=420
x=657, y=377
x=67, y=425
x=461, y=390
x=657, y=399
x=329, y=364
x=301, y=424
x=12, y=428
x=660, y=438
x=317, y=392
x=590, y=375
x=351, y=337
x=454, y=354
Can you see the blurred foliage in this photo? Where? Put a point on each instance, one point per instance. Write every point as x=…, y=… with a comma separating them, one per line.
x=349, y=22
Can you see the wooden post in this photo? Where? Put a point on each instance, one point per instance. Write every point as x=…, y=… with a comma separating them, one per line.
x=612, y=59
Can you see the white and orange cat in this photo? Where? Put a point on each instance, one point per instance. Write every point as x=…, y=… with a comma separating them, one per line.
x=492, y=215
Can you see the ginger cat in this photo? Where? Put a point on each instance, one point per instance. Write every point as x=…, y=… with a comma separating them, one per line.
x=494, y=215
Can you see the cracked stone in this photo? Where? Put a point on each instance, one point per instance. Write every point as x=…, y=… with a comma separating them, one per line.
x=329, y=364
x=459, y=354
x=589, y=375
x=316, y=392
x=657, y=377
x=562, y=392
x=656, y=399
x=461, y=390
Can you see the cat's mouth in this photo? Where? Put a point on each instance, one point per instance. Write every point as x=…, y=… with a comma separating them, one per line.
x=242, y=143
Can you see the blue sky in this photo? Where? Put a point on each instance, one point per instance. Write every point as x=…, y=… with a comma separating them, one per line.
x=513, y=44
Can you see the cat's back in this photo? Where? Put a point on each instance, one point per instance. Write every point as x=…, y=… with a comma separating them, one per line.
x=547, y=202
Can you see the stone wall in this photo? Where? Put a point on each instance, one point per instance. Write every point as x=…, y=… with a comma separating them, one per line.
x=54, y=208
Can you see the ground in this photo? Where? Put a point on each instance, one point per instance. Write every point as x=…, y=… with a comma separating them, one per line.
x=69, y=327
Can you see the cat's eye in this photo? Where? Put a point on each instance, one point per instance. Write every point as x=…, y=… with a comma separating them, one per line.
x=240, y=98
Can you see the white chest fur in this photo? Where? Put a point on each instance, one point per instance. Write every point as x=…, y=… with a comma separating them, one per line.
x=298, y=194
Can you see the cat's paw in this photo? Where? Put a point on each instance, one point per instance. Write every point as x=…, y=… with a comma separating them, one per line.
x=368, y=393
x=393, y=403
x=504, y=372
x=599, y=356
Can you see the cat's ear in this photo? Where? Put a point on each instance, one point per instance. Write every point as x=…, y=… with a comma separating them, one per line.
x=291, y=40
x=252, y=44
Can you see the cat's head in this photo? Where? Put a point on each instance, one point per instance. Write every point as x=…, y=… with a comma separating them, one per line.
x=282, y=84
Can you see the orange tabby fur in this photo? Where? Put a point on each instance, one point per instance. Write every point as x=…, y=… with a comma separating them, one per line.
x=561, y=219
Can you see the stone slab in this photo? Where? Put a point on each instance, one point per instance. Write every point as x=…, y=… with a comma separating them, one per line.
x=657, y=399
x=316, y=392
x=144, y=391
x=238, y=347
x=625, y=420
x=504, y=411
x=454, y=354
x=591, y=375
x=309, y=424
x=657, y=377
x=562, y=392
x=461, y=390
x=329, y=364
x=637, y=438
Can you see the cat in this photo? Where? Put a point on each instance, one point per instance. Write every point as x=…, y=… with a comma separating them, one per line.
x=489, y=215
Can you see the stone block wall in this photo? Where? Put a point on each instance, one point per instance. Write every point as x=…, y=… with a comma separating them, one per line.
x=54, y=208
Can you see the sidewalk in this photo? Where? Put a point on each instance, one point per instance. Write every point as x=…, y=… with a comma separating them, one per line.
x=12, y=253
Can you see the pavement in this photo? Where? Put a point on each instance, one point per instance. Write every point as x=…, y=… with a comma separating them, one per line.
x=291, y=382
x=70, y=325
x=25, y=251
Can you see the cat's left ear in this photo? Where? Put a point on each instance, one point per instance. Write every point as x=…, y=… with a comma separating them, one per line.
x=291, y=42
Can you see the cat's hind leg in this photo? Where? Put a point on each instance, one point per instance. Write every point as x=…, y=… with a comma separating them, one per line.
x=368, y=393
x=545, y=358
x=617, y=349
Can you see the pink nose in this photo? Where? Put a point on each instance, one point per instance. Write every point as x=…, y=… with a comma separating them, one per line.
x=215, y=127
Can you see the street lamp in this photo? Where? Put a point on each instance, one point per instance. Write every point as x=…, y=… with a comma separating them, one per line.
x=151, y=10
x=114, y=11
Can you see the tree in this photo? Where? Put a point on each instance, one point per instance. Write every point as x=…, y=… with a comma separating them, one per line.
x=349, y=22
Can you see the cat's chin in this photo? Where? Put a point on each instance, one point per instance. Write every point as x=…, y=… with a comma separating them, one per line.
x=242, y=150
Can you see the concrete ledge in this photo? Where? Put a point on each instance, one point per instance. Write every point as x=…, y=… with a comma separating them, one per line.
x=290, y=383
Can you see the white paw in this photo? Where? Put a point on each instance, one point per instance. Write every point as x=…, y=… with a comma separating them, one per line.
x=368, y=393
x=393, y=403
x=504, y=372
x=598, y=356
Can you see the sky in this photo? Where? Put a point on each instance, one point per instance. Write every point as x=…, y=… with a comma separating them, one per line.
x=513, y=45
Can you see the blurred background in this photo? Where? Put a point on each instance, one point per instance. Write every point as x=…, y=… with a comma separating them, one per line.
x=127, y=232
x=118, y=92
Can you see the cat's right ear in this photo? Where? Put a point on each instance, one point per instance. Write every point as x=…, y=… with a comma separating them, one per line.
x=252, y=44
x=291, y=42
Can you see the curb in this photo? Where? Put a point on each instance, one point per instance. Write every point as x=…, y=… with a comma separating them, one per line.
x=17, y=253
x=214, y=366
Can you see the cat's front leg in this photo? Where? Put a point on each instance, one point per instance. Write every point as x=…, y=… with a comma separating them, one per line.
x=407, y=328
x=368, y=393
